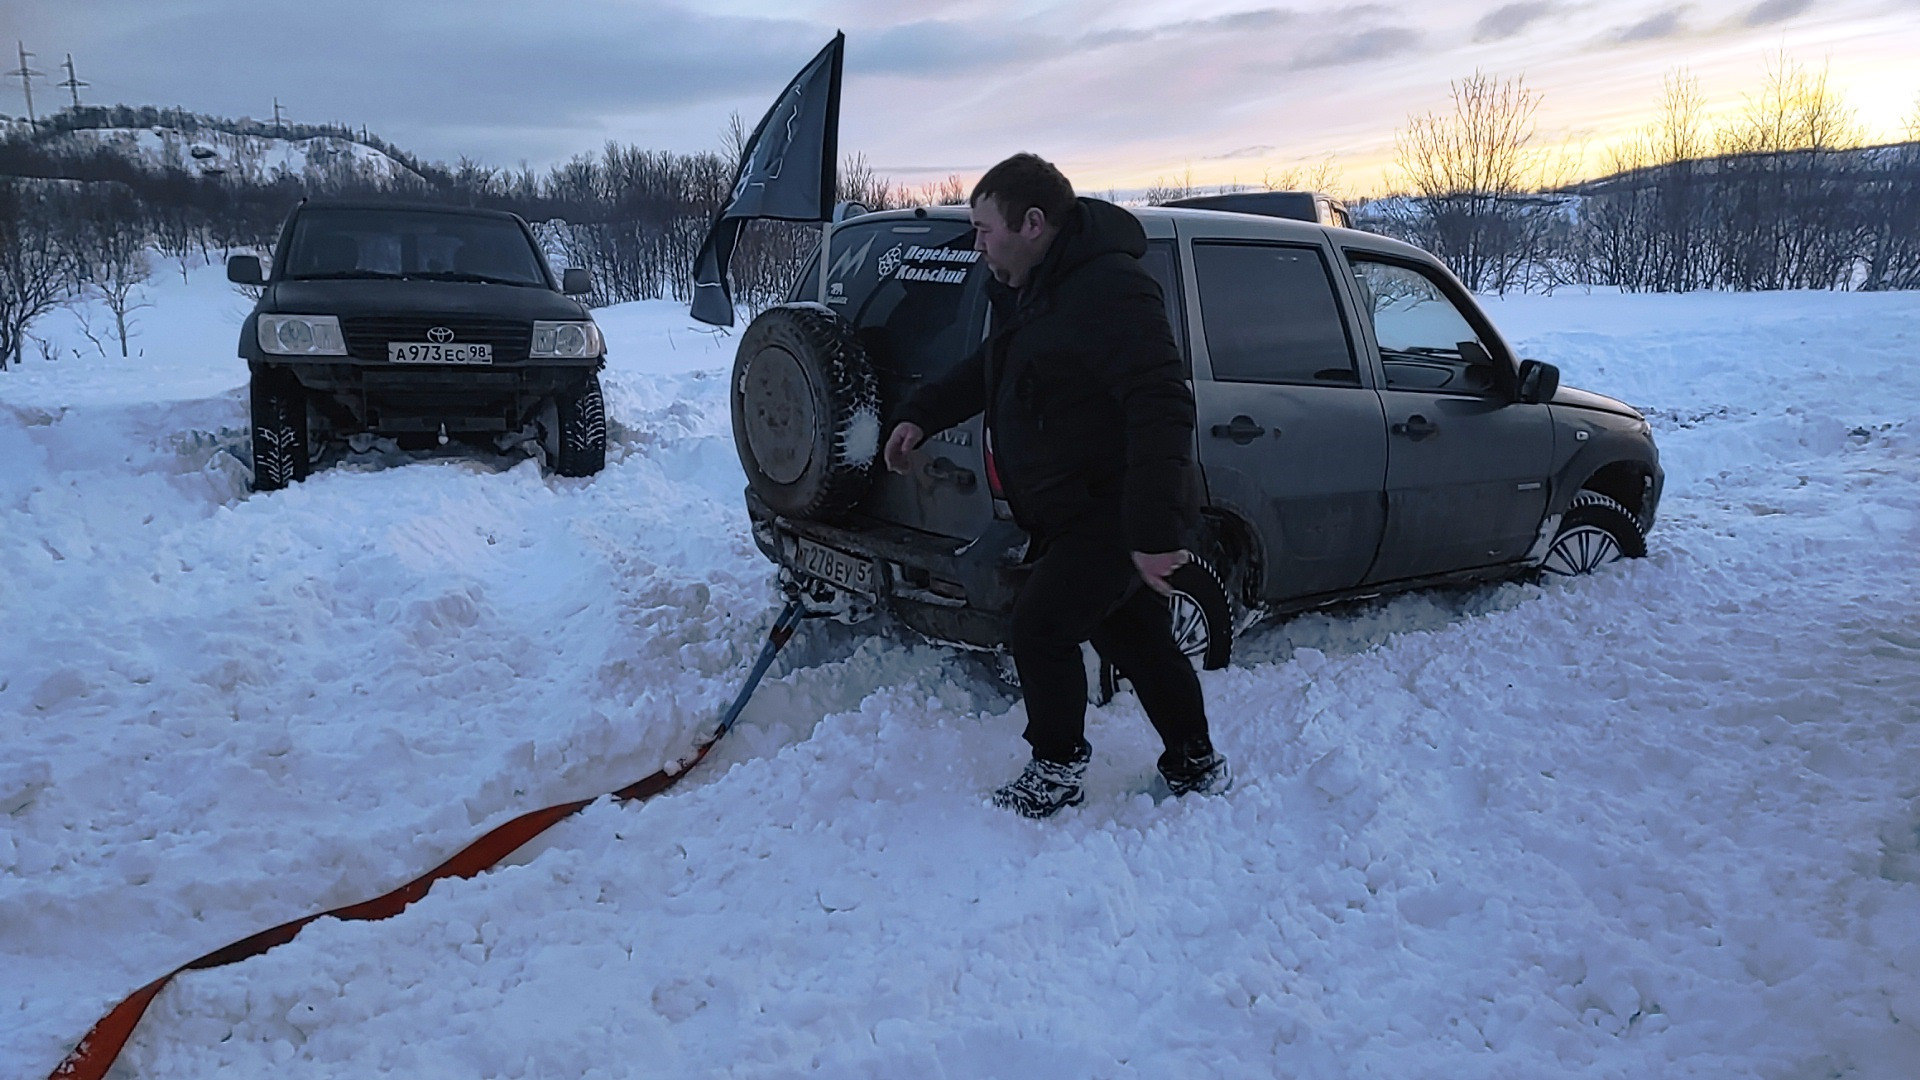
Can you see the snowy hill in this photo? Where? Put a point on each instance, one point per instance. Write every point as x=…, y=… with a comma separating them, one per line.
x=247, y=158
x=1660, y=822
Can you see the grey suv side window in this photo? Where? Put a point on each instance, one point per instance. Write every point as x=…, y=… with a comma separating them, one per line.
x=1269, y=315
x=1426, y=342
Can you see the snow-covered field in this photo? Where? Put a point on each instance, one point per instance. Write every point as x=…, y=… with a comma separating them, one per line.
x=1661, y=822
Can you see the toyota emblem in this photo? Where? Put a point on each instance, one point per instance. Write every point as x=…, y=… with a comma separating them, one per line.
x=440, y=335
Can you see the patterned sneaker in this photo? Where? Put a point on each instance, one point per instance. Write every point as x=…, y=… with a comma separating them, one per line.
x=1044, y=787
x=1196, y=769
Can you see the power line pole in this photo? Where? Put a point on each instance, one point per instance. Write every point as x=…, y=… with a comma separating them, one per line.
x=27, y=76
x=276, y=117
x=73, y=83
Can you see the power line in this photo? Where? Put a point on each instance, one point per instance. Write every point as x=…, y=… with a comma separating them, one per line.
x=27, y=75
x=73, y=83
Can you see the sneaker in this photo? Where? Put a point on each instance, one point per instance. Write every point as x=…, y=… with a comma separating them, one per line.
x=1045, y=787
x=1196, y=769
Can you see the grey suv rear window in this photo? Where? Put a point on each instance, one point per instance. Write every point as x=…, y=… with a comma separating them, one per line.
x=1269, y=315
x=914, y=291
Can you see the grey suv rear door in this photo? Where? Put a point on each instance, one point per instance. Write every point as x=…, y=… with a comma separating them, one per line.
x=1291, y=436
x=1467, y=465
x=915, y=294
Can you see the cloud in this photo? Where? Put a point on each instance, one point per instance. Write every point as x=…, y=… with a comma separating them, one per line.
x=1376, y=44
x=1238, y=22
x=1506, y=22
x=1656, y=27
x=1772, y=11
x=1242, y=152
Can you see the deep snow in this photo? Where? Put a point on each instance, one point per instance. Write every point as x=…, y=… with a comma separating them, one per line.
x=1664, y=821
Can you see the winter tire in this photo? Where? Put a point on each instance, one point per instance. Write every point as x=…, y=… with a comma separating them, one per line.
x=579, y=445
x=1202, y=623
x=806, y=416
x=279, y=413
x=1595, y=531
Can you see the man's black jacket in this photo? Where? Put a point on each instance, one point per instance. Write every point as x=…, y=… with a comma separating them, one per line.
x=1086, y=400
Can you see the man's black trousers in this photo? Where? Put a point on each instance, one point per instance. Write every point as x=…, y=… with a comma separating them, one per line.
x=1085, y=587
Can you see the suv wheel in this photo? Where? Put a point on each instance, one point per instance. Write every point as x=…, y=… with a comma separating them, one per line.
x=578, y=445
x=1596, y=530
x=806, y=415
x=279, y=412
x=1202, y=623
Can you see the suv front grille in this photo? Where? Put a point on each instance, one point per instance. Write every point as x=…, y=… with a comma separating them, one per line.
x=367, y=336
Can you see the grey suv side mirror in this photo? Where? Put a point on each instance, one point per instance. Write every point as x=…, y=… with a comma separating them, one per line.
x=244, y=270
x=575, y=281
x=1538, y=381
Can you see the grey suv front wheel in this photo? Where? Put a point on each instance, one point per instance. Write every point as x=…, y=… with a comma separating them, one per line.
x=1596, y=530
x=1202, y=623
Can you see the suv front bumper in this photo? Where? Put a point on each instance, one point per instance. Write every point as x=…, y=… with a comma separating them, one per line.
x=953, y=591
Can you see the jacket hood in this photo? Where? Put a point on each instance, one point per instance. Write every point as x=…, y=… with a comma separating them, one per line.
x=1097, y=228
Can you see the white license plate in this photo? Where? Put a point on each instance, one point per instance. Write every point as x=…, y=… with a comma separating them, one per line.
x=836, y=567
x=429, y=352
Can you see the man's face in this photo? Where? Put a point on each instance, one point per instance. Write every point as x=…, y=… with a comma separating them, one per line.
x=1011, y=250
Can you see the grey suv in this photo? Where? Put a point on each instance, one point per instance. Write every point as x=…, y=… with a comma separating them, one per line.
x=1362, y=429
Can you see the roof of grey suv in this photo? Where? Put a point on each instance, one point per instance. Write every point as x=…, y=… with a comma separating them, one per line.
x=1244, y=224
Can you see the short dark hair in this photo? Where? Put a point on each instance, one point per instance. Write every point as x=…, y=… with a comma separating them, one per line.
x=1023, y=182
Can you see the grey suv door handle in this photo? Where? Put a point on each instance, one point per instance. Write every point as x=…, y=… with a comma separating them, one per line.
x=944, y=470
x=1416, y=428
x=1243, y=430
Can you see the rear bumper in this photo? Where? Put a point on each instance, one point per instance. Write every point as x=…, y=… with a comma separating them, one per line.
x=954, y=591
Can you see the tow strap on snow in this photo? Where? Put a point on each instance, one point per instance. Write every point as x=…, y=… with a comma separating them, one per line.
x=98, y=1050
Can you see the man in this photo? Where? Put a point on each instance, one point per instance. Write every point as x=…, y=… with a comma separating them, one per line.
x=1090, y=422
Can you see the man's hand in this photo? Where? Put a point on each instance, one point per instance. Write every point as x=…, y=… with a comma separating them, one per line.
x=906, y=437
x=1156, y=569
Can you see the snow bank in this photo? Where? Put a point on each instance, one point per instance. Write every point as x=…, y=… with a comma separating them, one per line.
x=1658, y=822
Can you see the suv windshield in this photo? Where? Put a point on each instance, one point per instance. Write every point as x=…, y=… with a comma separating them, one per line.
x=335, y=242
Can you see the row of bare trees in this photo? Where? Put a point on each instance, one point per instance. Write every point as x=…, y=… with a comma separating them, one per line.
x=80, y=218
x=1782, y=195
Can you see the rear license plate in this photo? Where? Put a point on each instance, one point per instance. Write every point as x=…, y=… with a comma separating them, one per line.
x=836, y=567
x=431, y=352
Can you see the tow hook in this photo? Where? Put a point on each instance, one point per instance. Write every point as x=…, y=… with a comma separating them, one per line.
x=443, y=434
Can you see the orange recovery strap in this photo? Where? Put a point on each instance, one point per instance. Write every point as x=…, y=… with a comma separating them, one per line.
x=101, y=1046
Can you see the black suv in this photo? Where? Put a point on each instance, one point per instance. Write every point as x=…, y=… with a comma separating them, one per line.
x=1362, y=429
x=421, y=323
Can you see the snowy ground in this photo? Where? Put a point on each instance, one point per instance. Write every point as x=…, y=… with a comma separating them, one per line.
x=1662, y=822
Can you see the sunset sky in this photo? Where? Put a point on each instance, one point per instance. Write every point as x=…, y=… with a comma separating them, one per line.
x=1120, y=93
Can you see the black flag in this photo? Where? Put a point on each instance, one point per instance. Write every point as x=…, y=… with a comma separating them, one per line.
x=786, y=173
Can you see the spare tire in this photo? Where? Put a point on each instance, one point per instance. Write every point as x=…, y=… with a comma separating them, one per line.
x=806, y=412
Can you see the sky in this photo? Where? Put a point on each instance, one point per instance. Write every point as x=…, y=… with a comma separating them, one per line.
x=1120, y=93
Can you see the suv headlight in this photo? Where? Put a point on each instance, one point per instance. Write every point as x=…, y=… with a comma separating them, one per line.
x=567, y=339
x=301, y=335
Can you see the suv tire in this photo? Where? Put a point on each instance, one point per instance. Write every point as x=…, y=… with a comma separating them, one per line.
x=278, y=406
x=806, y=415
x=1202, y=623
x=579, y=446
x=1596, y=530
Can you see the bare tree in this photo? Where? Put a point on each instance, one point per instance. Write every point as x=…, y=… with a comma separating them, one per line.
x=111, y=256
x=1470, y=172
x=36, y=270
x=1323, y=176
x=949, y=192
